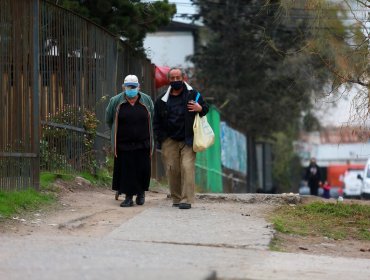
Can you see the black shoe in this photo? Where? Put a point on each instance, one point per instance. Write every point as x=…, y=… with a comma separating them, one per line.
x=140, y=199
x=184, y=206
x=116, y=195
x=127, y=202
x=175, y=204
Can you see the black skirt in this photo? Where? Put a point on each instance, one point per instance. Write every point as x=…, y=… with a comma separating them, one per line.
x=132, y=170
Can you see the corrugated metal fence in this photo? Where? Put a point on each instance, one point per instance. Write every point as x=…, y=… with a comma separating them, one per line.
x=57, y=73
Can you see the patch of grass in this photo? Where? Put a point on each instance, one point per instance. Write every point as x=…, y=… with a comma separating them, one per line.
x=365, y=233
x=280, y=225
x=102, y=178
x=276, y=245
x=333, y=220
x=47, y=178
x=16, y=202
x=88, y=176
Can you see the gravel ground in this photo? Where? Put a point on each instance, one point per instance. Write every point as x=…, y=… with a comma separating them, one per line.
x=88, y=236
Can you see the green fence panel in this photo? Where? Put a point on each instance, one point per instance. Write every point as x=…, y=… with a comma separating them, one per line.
x=208, y=174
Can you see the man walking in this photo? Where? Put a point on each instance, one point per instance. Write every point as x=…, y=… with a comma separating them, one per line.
x=313, y=177
x=174, y=114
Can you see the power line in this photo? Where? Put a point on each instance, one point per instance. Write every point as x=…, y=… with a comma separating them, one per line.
x=267, y=5
x=303, y=17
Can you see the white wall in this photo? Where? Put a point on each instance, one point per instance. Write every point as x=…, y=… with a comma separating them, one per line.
x=169, y=48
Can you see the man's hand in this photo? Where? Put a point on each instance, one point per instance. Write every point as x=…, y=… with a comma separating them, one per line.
x=194, y=107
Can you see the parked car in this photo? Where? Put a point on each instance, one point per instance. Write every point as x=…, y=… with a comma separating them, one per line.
x=336, y=191
x=365, y=178
x=303, y=188
x=352, y=185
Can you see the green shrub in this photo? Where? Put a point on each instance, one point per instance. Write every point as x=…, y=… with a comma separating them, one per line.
x=65, y=147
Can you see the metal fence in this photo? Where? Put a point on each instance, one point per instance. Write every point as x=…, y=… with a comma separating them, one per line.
x=57, y=73
x=77, y=71
x=18, y=98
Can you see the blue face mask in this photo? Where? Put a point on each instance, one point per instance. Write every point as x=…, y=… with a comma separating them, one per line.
x=131, y=93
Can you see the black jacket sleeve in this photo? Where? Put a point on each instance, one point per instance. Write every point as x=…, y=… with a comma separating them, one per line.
x=202, y=103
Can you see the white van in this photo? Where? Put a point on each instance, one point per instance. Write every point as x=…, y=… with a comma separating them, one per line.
x=365, y=177
x=352, y=185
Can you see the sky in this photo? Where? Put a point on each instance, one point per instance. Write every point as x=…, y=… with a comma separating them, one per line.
x=183, y=7
x=339, y=109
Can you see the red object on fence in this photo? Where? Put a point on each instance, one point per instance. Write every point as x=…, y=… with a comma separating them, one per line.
x=161, y=76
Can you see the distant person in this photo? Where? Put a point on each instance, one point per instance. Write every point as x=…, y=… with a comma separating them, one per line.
x=129, y=115
x=173, y=127
x=313, y=177
x=326, y=190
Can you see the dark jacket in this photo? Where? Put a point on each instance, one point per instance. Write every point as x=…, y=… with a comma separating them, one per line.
x=160, y=121
x=111, y=116
x=313, y=175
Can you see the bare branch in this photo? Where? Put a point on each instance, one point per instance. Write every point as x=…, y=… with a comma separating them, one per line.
x=341, y=77
x=355, y=16
x=363, y=3
x=359, y=83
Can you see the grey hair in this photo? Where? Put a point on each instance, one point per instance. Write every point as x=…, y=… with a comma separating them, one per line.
x=176, y=68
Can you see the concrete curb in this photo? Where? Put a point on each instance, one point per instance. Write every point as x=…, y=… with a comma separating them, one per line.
x=273, y=199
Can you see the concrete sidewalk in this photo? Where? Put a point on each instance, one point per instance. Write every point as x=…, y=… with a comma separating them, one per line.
x=213, y=240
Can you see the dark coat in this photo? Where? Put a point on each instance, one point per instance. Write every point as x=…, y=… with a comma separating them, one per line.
x=111, y=116
x=313, y=175
x=160, y=121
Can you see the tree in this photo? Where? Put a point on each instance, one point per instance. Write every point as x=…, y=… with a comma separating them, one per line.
x=262, y=79
x=339, y=37
x=130, y=19
x=254, y=66
x=286, y=170
x=266, y=61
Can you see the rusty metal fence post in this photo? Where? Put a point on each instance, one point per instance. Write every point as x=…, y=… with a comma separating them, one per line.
x=35, y=173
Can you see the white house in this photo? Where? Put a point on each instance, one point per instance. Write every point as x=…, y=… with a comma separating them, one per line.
x=171, y=45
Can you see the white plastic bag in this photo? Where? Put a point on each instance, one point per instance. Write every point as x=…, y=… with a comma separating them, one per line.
x=204, y=136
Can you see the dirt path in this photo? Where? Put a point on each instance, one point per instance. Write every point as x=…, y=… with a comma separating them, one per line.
x=86, y=212
x=325, y=246
x=83, y=210
x=320, y=245
x=86, y=235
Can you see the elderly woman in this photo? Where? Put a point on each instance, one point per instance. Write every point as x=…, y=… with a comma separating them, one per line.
x=129, y=116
